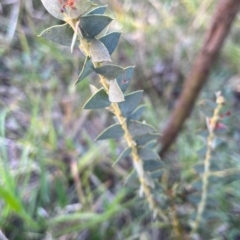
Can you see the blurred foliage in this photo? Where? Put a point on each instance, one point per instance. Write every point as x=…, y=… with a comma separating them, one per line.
x=44, y=132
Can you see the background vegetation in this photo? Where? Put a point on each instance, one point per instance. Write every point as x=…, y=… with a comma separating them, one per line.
x=45, y=135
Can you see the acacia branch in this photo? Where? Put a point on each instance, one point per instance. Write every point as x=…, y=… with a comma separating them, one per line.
x=215, y=36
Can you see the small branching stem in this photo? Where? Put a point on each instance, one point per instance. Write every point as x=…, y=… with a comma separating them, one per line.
x=71, y=22
x=206, y=174
x=137, y=161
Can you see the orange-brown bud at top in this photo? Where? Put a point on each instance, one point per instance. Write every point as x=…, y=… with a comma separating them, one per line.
x=67, y=3
x=67, y=9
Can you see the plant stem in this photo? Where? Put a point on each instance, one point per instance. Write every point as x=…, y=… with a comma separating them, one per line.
x=205, y=179
x=137, y=161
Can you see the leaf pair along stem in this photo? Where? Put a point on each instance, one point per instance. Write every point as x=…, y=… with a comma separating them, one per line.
x=137, y=161
x=146, y=184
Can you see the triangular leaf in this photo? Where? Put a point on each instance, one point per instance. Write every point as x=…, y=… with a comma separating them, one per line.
x=132, y=180
x=130, y=103
x=124, y=78
x=61, y=34
x=211, y=215
x=102, y=33
x=152, y=165
x=197, y=184
x=199, y=168
x=98, y=10
x=137, y=113
x=92, y=25
x=86, y=70
x=110, y=41
x=109, y=71
x=145, y=138
x=115, y=93
x=137, y=128
x=99, y=52
x=98, y=100
x=114, y=131
x=124, y=154
x=157, y=173
x=150, y=145
x=147, y=154
x=194, y=199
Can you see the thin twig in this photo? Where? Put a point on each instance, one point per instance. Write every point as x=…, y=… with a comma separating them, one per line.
x=137, y=161
x=205, y=179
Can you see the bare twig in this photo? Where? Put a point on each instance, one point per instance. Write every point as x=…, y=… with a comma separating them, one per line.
x=205, y=179
x=215, y=36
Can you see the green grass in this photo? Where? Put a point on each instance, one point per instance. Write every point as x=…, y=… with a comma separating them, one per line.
x=44, y=131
